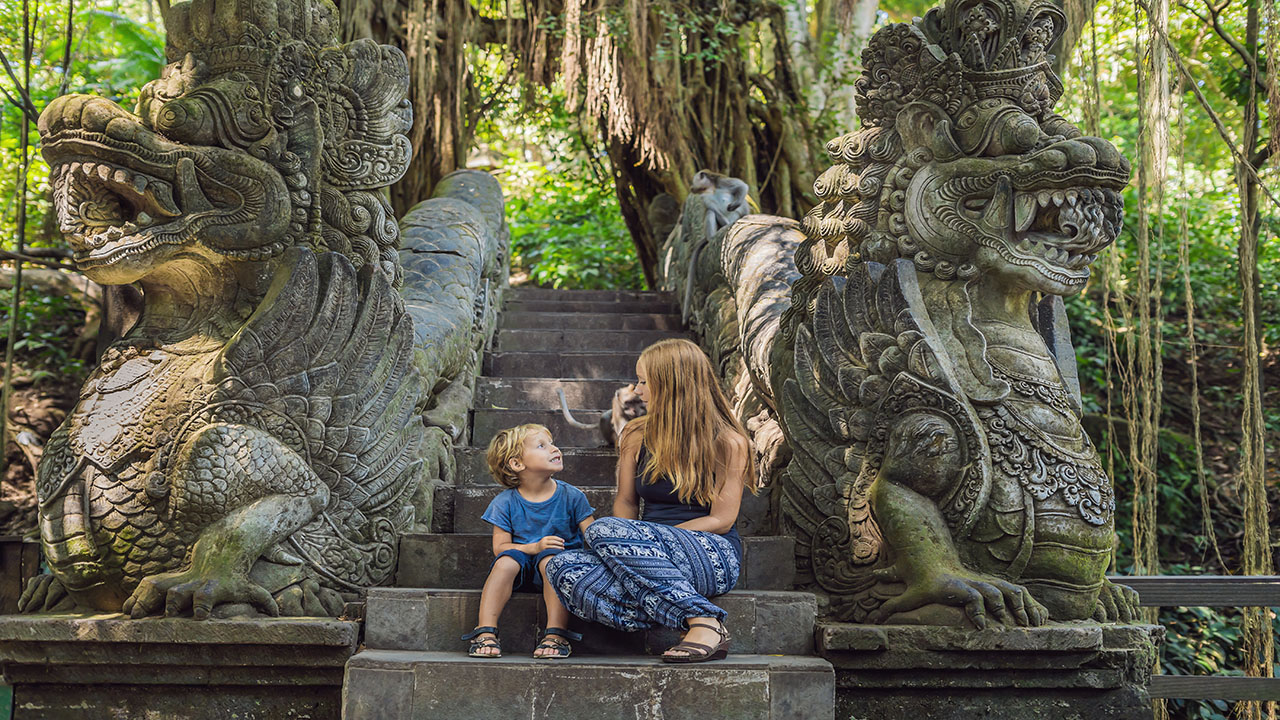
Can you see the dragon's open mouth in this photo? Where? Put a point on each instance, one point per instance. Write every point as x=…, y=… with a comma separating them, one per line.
x=1062, y=231
x=109, y=211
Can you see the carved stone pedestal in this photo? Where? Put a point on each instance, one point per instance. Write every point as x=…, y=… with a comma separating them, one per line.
x=83, y=667
x=1072, y=671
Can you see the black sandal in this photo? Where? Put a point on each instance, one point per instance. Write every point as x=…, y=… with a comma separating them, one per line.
x=483, y=643
x=562, y=647
x=697, y=652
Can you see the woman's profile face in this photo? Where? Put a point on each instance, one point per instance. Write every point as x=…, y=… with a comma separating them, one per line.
x=642, y=383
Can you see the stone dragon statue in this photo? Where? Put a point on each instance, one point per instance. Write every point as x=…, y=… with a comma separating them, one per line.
x=253, y=442
x=940, y=473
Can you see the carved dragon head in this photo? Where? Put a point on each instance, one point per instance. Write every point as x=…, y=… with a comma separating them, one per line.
x=961, y=166
x=262, y=133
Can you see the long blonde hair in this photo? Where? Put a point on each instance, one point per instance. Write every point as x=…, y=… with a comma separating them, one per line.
x=687, y=418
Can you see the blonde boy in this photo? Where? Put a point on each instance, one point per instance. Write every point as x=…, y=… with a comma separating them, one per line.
x=535, y=518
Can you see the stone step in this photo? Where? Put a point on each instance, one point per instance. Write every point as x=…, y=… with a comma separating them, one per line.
x=552, y=294
x=486, y=423
x=427, y=619
x=588, y=306
x=449, y=685
x=462, y=560
x=584, y=467
x=495, y=393
x=578, y=340
x=573, y=365
x=590, y=320
x=457, y=509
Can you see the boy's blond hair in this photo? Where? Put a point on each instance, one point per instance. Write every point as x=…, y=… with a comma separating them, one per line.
x=506, y=446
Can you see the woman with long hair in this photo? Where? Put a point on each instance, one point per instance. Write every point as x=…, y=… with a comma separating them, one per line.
x=688, y=459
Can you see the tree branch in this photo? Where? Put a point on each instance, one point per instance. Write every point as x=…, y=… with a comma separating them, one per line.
x=1214, y=22
x=28, y=108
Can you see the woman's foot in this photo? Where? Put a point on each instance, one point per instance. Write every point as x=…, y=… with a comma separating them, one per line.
x=484, y=642
x=706, y=640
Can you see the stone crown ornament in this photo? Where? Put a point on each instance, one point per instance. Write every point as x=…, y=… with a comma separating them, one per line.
x=252, y=441
x=941, y=474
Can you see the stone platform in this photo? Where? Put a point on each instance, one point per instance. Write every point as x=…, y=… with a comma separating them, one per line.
x=1067, y=671
x=383, y=684
x=89, y=667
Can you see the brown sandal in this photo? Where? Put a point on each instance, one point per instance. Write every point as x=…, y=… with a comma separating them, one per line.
x=697, y=652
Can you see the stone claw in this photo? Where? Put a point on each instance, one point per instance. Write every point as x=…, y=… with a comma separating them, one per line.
x=180, y=592
x=982, y=598
x=45, y=593
x=309, y=598
x=1116, y=603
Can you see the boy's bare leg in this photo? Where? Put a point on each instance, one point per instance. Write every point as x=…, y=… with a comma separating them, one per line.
x=494, y=597
x=557, y=613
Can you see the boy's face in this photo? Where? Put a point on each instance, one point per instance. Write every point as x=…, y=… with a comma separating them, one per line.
x=540, y=456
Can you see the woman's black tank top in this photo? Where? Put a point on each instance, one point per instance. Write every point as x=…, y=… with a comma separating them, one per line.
x=663, y=506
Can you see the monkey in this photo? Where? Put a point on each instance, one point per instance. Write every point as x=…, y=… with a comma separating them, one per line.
x=726, y=199
x=626, y=406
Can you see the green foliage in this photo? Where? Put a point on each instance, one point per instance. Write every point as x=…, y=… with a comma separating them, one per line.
x=567, y=231
x=47, y=328
x=566, y=227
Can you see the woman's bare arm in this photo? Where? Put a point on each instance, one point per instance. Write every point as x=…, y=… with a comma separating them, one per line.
x=730, y=476
x=626, y=503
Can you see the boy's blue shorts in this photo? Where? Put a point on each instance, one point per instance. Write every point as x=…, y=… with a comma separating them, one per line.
x=529, y=579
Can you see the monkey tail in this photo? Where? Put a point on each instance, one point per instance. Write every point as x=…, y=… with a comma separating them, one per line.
x=568, y=416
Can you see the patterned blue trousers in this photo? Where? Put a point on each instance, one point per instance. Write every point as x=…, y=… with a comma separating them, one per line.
x=639, y=574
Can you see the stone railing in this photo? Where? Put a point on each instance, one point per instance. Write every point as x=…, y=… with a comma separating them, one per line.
x=732, y=275
x=454, y=252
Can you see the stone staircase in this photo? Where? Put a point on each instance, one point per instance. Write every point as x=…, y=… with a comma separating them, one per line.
x=412, y=664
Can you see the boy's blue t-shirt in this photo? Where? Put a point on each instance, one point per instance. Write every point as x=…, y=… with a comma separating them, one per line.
x=529, y=522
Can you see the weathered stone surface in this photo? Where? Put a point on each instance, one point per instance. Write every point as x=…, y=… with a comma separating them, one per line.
x=584, y=467
x=574, y=306
x=591, y=320
x=507, y=393
x=78, y=667
x=254, y=440
x=572, y=365
x=1071, y=670
x=594, y=296
x=486, y=423
x=462, y=561
x=763, y=622
x=446, y=685
x=577, y=340
x=926, y=380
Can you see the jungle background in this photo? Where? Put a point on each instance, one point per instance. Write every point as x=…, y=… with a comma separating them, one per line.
x=595, y=114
